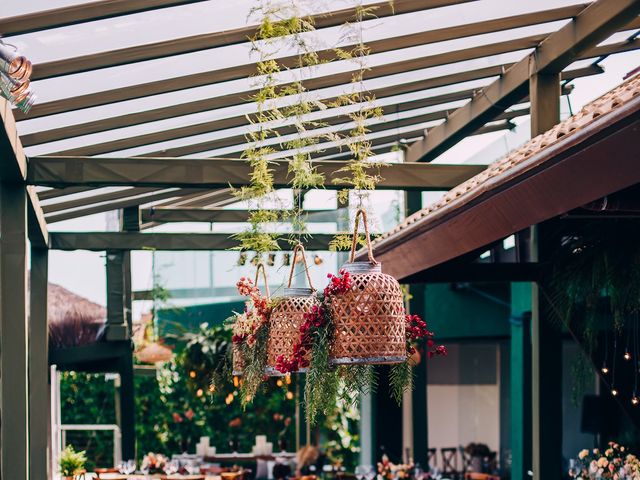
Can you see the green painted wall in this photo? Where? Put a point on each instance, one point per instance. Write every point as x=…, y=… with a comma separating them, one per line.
x=192, y=316
x=457, y=311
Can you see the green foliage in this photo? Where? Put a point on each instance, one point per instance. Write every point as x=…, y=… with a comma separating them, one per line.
x=170, y=416
x=71, y=463
x=254, y=358
x=400, y=379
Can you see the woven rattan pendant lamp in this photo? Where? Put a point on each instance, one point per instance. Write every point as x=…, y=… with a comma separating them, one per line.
x=369, y=318
x=287, y=316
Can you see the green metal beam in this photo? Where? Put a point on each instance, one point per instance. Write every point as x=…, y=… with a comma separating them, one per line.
x=520, y=380
x=103, y=241
x=220, y=173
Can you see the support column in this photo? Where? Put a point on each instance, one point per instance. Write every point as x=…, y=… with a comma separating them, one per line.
x=546, y=339
x=419, y=395
x=39, y=407
x=116, y=317
x=14, y=398
x=127, y=408
x=520, y=380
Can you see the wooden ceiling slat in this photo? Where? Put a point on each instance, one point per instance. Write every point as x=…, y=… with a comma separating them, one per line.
x=398, y=42
x=194, y=43
x=83, y=12
x=161, y=194
x=93, y=199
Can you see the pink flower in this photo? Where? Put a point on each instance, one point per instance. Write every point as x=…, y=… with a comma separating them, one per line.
x=176, y=417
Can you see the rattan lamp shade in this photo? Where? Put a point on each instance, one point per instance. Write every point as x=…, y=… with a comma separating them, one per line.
x=287, y=316
x=368, y=319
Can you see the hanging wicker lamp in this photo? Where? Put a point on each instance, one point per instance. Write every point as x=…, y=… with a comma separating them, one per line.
x=243, y=323
x=369, y=318
x=288, y=315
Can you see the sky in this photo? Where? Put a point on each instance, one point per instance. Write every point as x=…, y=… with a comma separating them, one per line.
x=83, y=272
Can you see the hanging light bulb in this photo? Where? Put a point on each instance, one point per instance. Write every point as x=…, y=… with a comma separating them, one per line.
x=192, y=374
x=635, y=400
x=627, y=355
x=236, y=381
x=279, y=382
x=271, y=260
x=199, y=392
x=287, y=378
x=604, y=369
x=212, y=388
x=614, y=392
x=289, y=395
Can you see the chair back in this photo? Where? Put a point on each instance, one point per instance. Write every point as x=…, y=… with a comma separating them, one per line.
x=449, y=460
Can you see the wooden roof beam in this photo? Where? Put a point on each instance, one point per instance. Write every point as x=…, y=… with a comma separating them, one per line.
x=378, y=46
x=195, y=43
x=13, y=170
x=101, y=241
x=81, y=13
x=597, y=22
x=220, y=173
x=218, y=215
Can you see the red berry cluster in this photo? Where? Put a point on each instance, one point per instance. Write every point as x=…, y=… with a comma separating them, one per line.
x=338, y=284
x=415, y=329
x=313, y=319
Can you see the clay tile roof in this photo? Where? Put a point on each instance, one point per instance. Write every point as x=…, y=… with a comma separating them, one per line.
x=604, y=105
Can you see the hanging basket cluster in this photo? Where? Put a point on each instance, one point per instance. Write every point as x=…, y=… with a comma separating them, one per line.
x=358, y=320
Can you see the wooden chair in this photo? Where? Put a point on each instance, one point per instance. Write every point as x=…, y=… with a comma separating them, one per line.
x=480, y=476
x=466, y=460
x=432, y=457
x=449, y=460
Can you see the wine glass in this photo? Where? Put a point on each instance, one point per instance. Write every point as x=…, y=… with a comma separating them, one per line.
x=130, y=467
x=171, y=467
x=192, y=467
x=361, y=472
x=370, y=473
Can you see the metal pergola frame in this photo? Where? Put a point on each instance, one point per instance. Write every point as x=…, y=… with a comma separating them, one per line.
x=161, y=187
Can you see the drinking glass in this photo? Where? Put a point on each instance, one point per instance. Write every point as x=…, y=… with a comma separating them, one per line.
x=361, y=472
x=130, y=467
x=171, y=467
x=192, y=467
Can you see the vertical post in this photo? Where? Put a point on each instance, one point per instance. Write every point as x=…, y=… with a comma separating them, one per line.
x=127, y=408
x=520, y=380
x=14, y=399
x=39, y=409
x=116, y=319
x=546, y=340
x=419, y=394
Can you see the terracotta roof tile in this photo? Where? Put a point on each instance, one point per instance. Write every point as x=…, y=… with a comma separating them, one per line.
x=601, y=106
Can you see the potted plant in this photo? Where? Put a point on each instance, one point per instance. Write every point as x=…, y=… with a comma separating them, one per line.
x=71, y=463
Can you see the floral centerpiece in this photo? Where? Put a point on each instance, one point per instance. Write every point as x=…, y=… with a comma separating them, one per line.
x=390, y=471
x=153, y=463
x=614, y=463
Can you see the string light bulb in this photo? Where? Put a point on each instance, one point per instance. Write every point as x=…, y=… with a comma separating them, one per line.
x=289, y=395
x=192, y=374
x=236, y=381
x=199, y=392
x=604, y=369
x=287, y=379
x=635, y=400
x=627, y=355
x=212, y=388
x=279, y=382
x=614, y=392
